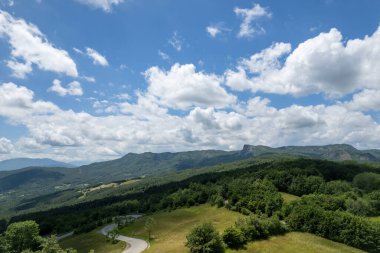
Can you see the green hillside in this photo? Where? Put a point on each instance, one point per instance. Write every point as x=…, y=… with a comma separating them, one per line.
x=32, y=188
x=171, y=229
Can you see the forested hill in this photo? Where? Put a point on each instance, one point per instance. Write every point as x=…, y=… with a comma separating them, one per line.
x=19, y=186
x=335, y=152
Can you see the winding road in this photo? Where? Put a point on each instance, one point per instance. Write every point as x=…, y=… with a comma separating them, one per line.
x=135, y=245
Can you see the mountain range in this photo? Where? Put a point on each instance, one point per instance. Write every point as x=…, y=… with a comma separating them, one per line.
x=19, y=163
x=31, y=182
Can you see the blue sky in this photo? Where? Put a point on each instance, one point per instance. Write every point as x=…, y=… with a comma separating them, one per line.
x=86, y=80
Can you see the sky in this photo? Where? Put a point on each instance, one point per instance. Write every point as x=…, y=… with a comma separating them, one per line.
x=91, y=80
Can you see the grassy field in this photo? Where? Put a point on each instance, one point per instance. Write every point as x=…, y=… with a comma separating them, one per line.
x=298, y=243
x=85, y=242
x=288, y=197
x=172, y=227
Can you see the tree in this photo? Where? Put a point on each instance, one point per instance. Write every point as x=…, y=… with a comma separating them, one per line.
x=302, y=185
x=112, y=235
x=50, y=245
x=204, y=239
x=234, y=238
x=3, y=225
x=3, y=244
x=367, y=181
x=149, y=224
x=23, y=236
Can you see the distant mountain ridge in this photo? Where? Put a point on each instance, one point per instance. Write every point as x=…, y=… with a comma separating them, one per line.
x=334, y=152
x=34, y=181
x=19, y=163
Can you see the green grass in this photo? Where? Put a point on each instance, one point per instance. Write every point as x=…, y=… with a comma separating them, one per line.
x=288, y=197
x=171, y=229
x=375, y=219
x=93, y=240
x=296, y=242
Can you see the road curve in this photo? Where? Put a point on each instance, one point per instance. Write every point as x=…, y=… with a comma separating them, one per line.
x=135, y=245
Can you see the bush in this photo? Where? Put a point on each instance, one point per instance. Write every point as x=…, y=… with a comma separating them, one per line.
x=234, y=238
x=374, y=200
x=260, y=227
x=360, y=207
x=204, y=238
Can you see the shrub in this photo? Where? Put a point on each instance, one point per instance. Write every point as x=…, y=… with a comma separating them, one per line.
x=204, y=238
x=260, y=227
x=234, y=238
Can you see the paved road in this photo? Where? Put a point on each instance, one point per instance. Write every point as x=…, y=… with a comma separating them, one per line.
x=61, y=237
x=135, y=245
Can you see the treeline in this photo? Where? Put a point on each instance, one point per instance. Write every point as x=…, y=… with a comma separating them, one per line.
x=339, y=194
x=25, y=237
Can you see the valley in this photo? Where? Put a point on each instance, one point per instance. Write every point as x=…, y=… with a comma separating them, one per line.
x=281, y=194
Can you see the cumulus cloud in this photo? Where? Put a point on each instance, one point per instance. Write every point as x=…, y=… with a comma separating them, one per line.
x=147, y=126
x=73, y=89
x=6, y=146
x=247, y=30
x=17, y=102
x=20, y=69
x=30, y=46
x=261, y=63
x=105, y=5
x=323, y=64
x=365, y=100
x=96, y=57
x=183, y=87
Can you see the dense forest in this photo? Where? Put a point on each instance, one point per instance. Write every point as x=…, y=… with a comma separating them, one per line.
x=336, y=201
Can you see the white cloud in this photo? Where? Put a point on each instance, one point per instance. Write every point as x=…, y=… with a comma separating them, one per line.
x=176, y=41
x=147, y=126
x=78, y=51
x=90, y=79
x=261, y=63
x=73, y=89
x=268, y=59
x=323, y=64
x=213, y=31
x=6, y=146
x=29, y=46
x=17, y=102
x=217, y=29
x=365, y=100
x=163, y=55
x=20, y=69
x=182, y=87
x=123, y=96
x=97, y=58
x=105, y=5
x=249, y=15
